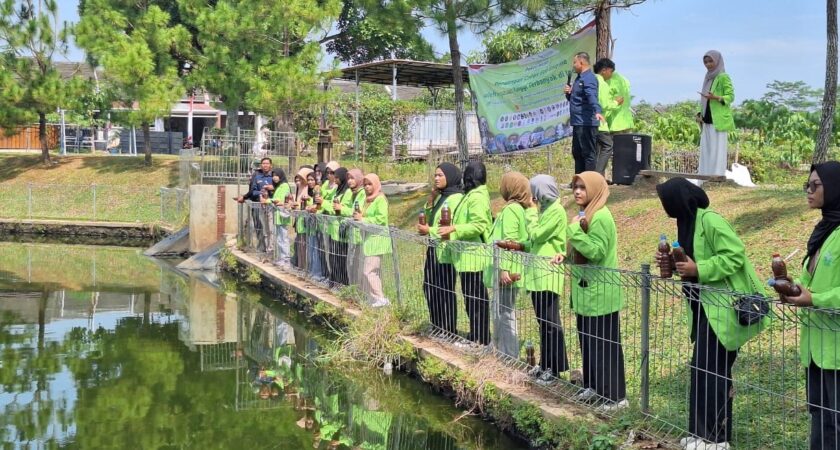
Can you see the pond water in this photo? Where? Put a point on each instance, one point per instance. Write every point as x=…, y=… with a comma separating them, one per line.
x=101, y=347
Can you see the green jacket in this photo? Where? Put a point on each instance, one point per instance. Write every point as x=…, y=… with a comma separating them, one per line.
x=512, y=224
x=443, y=255
x=607, y=102
x=346, y=201
x=547, y=238
x=376, y=213
x=472, y=222
x=722, y=112
x=281, y=218
x=596, y=292
x=819, y=336
x=722, y=263
x=621, y=118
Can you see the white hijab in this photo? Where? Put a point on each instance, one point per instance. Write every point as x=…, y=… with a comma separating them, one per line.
x=719, y=68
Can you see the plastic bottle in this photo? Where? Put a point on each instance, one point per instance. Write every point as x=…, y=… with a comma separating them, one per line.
x=421, y=218
x=664, y=249
x=576, y=256
x=679, y=253
x=445, y=218
x=510, y=245
x=530, y=358
x=780, y=281
x=356, y=207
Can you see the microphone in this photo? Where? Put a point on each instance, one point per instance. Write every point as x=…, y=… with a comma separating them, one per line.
x=569, y=78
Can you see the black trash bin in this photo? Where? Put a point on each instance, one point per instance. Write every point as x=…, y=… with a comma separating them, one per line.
x=631, y=153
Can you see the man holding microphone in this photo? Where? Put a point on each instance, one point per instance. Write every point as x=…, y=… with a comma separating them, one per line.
x=584, y=113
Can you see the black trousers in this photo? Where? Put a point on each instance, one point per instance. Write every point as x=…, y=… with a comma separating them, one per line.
x=477, y=304
x=439, y=289
x=257, y=217
x=603, y=357
x=299, y=258
x=324, y=247
x=584, y=148
x=338, y=263
x=823, y=403
x=605, y=151
x=710, y=395
x=552, y=342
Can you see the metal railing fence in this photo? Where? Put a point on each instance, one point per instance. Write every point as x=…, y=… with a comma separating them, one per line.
x=625, y=334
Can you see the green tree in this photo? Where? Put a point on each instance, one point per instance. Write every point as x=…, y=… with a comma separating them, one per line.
x=830, y=96
x=370, y=30
x=139, y=47
x=794, y=95
x=257, y=55
x=30, y=85
x=516, y=42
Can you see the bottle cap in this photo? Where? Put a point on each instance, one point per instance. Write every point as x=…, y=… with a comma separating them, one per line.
x=662, y=237
x=581, y=213
x=676, y=244
x=771, y=282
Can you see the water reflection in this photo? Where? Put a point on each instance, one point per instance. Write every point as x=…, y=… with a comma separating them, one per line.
x=159, y=359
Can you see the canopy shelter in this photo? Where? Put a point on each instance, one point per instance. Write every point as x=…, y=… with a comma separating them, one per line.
x=400, y=72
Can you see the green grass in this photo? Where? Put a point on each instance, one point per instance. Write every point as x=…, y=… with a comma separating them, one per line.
x=102, y=188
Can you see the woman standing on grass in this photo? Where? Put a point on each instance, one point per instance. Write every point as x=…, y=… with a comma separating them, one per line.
x=510, y=225
x=303, y=198
x=438, y=272
x=374, y=212
x=715, y=116
x=547, y=238
x=471, y=222
x=596, y=294
x=820, y=283
x=716, y=258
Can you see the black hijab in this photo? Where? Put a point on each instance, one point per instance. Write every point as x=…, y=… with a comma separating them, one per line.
x=829, y=173
x=341, y=179
x=280, y=173
x=453, y=184
x=680, y=200
x=475, y=175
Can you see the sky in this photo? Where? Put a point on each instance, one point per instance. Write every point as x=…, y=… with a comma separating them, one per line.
x=660, y=44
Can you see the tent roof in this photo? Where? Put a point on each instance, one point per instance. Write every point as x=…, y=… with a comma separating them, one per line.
x=409, y=73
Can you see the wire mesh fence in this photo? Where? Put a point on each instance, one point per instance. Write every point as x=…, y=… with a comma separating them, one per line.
x=230, y=159
x=101, y=203
x=174, y=207
x=621, y=342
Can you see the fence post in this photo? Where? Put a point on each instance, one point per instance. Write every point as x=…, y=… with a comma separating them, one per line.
x=645, y=325
x=396, y=264
x=94, y=201
x=29, y=199
x=161, y=205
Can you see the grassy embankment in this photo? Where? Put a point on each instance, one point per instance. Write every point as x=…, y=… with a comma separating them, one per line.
x=126, y=189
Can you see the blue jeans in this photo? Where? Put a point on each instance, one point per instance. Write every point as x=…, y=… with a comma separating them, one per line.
x=313, y=256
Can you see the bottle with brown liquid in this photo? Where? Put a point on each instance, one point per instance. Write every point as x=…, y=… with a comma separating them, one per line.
x=664, y=250
x=445, y=218
x=679, y=253
x=780, y=281
x=576, y=256
x=530, y=357
x=421, y=218
x=356, y=207
x=510, y=245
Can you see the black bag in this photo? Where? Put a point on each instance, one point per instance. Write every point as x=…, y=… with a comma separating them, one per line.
x=751, y=308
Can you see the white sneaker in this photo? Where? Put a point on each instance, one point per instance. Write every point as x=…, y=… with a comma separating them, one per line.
x=534, y=371
x=586, y=395
x=700, y=444
x=610, y=407
x=378, y=303
x=686, y=441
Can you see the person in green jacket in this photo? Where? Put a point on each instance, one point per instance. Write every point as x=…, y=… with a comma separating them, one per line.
x=303, y=198
x=596, y=294
x=342, y=200
x=819, y=335
x=327, y=192
x=375, y=212
x=717, y=259
x=614, y=97
x=355, y=252
x=505, y=276
x=715, y=116
x=471, y=222
x=281, y=217
x=438, y=271
x=314, y=239
x=547, y=238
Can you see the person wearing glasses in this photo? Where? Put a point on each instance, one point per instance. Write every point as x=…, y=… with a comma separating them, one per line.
x=820, y=284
